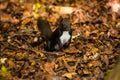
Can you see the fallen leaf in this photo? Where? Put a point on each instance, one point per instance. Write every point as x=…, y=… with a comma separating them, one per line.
x=69, y=75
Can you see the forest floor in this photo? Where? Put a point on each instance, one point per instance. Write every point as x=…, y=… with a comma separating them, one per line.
x=91, y=54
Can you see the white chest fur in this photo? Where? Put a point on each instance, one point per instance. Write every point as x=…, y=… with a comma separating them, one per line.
x=65, y=37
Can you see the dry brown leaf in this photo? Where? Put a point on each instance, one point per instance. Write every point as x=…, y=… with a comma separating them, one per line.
x=48, y=67
x=11, y=63
x=62, y=10
x=5, y=18
x=86, y=71
x=14, y=20
x=71, y=50
x=27, y=20
x=3, y=5
x=69, y=75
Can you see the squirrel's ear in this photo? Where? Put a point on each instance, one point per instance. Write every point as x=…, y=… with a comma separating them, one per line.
x=60, y=19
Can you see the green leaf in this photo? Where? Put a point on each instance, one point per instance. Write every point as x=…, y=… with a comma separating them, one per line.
x=4, y=71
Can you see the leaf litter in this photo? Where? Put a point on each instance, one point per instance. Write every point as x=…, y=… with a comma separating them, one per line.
x=94, y=47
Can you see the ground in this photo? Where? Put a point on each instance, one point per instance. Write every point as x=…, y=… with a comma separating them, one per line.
x=91, y=54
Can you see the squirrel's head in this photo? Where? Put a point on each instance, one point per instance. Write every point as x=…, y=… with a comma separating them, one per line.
x=65, y=24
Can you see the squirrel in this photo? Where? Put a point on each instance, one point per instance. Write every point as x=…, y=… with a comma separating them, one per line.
x=58, y=39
